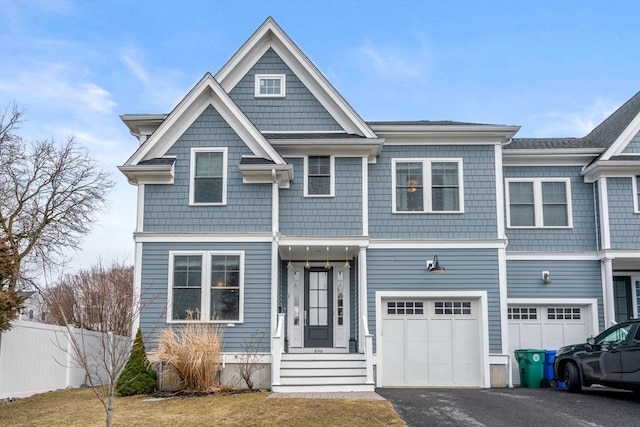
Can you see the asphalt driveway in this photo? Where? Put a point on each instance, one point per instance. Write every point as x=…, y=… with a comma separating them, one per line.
x=520, y=407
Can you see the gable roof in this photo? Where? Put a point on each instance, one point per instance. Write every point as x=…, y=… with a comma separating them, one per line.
x=270, y=35
x=206, y=92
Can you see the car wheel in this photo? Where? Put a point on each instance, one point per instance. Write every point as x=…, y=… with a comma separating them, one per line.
x=572, y=378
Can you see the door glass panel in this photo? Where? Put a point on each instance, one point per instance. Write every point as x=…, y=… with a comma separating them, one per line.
x=318, y=299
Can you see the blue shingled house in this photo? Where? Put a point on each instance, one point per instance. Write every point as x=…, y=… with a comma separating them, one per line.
x=396, y=253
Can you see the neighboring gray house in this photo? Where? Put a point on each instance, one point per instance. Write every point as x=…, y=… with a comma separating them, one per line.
x=266, y=203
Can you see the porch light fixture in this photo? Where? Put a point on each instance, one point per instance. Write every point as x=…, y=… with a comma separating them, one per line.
x=306, y=264
x=346, y=258
x=546, y=277
x=327, y=266
x=289, y=264
x=434, y=266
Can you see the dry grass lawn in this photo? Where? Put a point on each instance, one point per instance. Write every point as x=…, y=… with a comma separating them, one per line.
x=80, y=407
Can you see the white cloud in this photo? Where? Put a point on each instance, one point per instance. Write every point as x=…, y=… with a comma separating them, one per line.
x=576, y=123
x=395, y=61
x=135, y=68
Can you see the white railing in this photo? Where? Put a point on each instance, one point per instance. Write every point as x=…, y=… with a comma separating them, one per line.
x=277, y=348
x=36, y=358
x=368, y=350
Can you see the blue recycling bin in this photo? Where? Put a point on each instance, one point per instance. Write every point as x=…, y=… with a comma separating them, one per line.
x=549, y=358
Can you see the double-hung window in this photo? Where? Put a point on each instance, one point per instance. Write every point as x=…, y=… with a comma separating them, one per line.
x=319, y=176
x=539, y=203
x=270, y=85
x=206, y=286
x=208, y=176
x=427, y=185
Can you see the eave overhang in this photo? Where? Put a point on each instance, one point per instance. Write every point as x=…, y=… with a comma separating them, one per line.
x=142, y=124
x=611, y=168
x=445, y=134
x=148, y=174
x=550, y=157
x=369, y=147
x=267, y=174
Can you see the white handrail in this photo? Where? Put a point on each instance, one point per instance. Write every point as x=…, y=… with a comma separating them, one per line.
x=368, y=349
x=277, y=348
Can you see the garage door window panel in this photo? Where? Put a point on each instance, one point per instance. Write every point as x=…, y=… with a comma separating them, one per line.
x=452, y=307
x=564, y=313
x=522, y=313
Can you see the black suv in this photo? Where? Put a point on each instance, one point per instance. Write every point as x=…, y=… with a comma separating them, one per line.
x=611, y=359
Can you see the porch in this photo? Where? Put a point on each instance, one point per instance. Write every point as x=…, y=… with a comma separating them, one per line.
x=321, y=340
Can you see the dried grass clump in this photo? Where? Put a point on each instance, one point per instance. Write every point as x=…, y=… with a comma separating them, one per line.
x=193, y=353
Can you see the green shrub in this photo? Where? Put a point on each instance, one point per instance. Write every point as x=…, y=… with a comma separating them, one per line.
x=137, y=377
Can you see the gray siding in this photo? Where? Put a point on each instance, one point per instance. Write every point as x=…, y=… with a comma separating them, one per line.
x=257, y=291
x=569, y=279
x=582, y=237
x=299, y=110
x=324, y=216
x=467, y=270
x=479, y=219
x=634, y=145
x=624, y=224
x=248, y=206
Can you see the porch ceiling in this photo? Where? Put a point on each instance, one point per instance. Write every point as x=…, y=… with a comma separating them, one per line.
x=626, y=264
x=318, y=252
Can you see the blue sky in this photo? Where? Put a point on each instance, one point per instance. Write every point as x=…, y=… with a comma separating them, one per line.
x=557, y=68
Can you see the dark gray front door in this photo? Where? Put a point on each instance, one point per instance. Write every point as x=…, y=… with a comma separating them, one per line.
x=622, y=298
x=318, y=306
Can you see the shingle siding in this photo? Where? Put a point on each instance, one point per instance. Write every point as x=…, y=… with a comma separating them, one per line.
x=467, y=270
x=299, y=110
x=479, y=217
x=569, y=279
x=324, y=216
x=257, y=291
x=248, y=206
x=634, y=145
x=582, y=237
x=624, y=224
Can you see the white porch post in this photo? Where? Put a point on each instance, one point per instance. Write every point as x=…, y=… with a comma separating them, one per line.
x=607, y=292
x=362, y=296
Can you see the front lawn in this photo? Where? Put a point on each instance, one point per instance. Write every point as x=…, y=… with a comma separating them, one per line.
x=80, y=407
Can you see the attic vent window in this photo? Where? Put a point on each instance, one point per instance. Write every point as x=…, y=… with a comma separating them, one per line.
x=270, y=85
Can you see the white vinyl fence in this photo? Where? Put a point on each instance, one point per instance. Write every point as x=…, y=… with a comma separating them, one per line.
x=35, y=358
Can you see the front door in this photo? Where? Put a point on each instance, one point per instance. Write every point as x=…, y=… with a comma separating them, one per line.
x=622, y=298
x=318, y=308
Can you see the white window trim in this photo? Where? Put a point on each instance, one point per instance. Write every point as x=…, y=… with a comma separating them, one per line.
x=192, y=174
x=283, y=81
x=426, y=184
x=537, y=202
x=205, y=286
x=635, y=189
x=332, y=189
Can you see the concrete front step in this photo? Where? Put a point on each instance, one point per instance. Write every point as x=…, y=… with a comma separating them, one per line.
x=307, y=372
x=324, y=380
x=323, y=364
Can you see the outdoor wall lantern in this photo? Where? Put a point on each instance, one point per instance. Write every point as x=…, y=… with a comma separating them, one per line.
x=546, y=277
x=434, y=266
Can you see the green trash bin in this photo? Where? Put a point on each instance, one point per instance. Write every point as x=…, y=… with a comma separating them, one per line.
x=531, y=367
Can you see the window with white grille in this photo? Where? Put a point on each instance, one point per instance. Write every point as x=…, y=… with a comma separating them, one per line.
x=405, y=307
x=563, y=313
x=522, y=313
x=452, y=307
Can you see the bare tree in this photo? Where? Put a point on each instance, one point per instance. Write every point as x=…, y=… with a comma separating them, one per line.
x=250, y=361
x=50, y=195
x=83, y=299
x=102, y=299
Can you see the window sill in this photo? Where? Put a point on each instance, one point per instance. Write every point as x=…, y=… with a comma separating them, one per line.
x=428, y=212
x=318, y=196
x=207, y=204
x=218, y=322
x=563, y=227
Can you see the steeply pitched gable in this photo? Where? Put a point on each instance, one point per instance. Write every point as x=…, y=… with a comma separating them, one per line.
x=270, y=36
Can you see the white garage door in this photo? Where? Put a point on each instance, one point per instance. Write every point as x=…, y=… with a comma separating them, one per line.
x=430, y=342
x=545, y=327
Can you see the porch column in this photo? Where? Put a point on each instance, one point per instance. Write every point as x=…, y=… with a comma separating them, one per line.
x=607, y=292
x=362, y=295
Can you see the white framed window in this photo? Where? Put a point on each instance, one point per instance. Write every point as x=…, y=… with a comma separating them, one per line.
x=206, y=286
x=539, y=203
x=452, y=307
x=564, y=313
x=522, y=313
x=319, y=176
x=405, y=307
x=427, y=185
x=270, y=85
x=208, y=176
x=635, y=184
